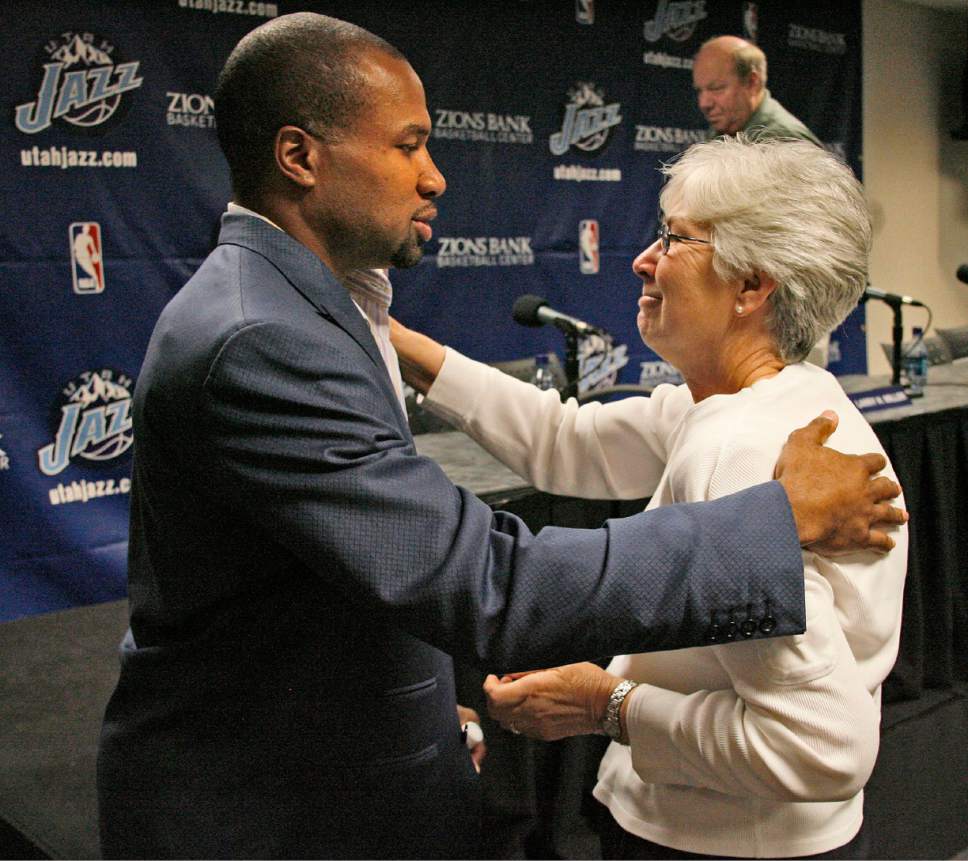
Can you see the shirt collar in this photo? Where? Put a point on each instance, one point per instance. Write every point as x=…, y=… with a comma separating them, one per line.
x=372, y=284
x=236, y=209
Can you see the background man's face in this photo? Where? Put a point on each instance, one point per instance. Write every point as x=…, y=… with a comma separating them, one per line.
x=375, y=208
x=725, y=101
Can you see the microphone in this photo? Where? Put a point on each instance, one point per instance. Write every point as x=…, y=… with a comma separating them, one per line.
x=893, y=298
x=531, y=310
x=962, y=273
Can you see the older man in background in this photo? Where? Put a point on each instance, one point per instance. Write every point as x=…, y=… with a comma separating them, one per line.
x=729, y=76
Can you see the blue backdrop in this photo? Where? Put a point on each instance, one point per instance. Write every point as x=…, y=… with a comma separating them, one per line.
x=549, y=121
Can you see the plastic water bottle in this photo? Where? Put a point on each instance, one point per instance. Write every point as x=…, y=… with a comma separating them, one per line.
x=542, y=376
x=914, y=364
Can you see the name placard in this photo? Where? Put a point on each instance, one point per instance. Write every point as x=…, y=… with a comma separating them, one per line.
x=871, y=400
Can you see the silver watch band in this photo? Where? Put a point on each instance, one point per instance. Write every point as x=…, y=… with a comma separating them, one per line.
x=610, y=723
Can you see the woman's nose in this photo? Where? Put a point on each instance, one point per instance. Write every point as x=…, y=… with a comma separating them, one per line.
x=644, y=264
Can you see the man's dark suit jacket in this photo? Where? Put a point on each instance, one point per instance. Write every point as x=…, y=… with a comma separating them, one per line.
x=299, y=577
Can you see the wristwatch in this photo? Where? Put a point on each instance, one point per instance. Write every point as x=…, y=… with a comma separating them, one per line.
x=610, y=724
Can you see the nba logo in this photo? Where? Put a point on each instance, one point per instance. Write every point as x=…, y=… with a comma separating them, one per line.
x=87, y=265
x=588, y=246
x=585, y=11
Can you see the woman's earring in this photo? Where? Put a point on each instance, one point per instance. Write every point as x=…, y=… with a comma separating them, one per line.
x=739, y=310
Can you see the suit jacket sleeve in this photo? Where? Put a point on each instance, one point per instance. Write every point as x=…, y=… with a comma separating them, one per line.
x=304, y=445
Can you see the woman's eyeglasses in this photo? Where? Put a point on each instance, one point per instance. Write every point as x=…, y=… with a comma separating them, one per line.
x=668, y=238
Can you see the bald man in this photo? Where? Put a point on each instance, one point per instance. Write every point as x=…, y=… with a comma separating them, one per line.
x=729, y=77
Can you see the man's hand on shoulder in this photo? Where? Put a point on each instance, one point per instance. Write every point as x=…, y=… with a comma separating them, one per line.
x=839, y=503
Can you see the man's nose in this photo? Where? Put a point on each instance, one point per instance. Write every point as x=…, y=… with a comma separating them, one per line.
x=705, y=101
x=431, y=182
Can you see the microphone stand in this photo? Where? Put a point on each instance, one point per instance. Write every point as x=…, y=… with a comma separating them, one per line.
x=571, y=365
x=897, y=332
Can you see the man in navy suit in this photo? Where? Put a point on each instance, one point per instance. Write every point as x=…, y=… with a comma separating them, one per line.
x=299, y=576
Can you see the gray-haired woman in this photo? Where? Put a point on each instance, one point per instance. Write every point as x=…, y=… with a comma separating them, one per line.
x=751, y=747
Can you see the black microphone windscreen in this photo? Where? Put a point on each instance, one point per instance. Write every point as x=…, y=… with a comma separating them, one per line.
x=962, y=273
x=525, y=310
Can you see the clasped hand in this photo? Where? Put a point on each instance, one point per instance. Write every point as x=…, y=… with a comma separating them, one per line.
x=551, y=704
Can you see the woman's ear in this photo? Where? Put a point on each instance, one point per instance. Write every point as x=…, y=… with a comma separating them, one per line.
x=753, y=293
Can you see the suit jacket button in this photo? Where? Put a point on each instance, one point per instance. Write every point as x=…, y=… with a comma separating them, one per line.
x=712, y=634
x=747, y=627
x=767, y=624
x=730, y=630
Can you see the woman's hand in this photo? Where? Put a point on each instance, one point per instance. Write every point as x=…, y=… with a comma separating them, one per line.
x=551, y=704
x=420, y=357
x=465, y=717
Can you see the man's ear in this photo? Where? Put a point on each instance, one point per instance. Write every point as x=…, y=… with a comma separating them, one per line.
x=754, y=292
x=297, y=156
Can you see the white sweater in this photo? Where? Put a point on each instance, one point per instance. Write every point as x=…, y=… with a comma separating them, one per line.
x=755, y=748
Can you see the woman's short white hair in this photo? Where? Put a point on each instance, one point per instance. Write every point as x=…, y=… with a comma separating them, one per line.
x=785, y=208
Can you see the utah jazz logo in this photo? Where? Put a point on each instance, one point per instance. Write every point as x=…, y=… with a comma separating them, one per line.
x=676, y=19
x=588, y=122
x=94, y=423
x=82, y=84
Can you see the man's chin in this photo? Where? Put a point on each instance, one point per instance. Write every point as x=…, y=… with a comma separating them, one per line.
x=407, y=255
